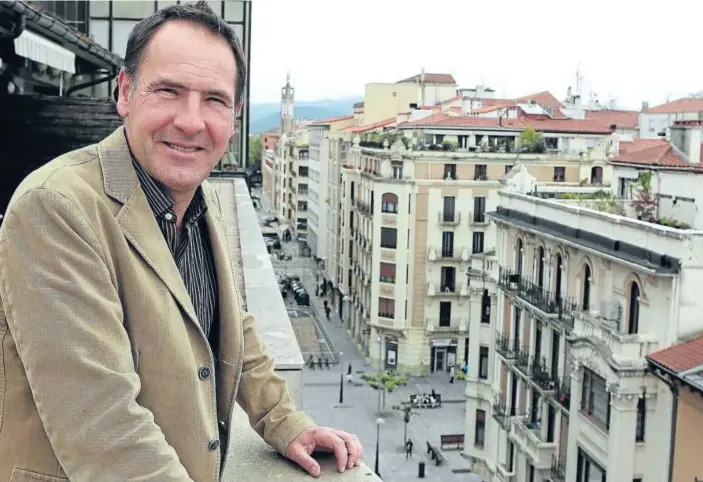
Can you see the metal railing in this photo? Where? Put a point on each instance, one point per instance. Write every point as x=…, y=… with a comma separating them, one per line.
x=506, y=347
x=500, y=411
x=522, y=360
x=525, y=287
x=539, y=373
x=562, y=392
x=558, y=470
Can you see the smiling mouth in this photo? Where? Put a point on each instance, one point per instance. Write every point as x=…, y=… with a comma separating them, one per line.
x=176, y=147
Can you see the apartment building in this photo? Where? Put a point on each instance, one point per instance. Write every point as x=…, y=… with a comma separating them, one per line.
x=269, y=174
x=655, y=122
x=680, y=367
x=421, y=272
x=585, y=296
x=293, y=162
x=320, y=153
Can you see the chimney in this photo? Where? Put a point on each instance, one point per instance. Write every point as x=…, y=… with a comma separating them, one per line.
x=645, y=106
x=422, y=75
x=688, y=139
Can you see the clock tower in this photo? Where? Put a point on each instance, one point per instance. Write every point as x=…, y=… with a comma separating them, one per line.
x=287, y=107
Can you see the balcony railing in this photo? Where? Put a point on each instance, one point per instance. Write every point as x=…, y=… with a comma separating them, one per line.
x=539, y=373
x=506, y=347
x=558, y=470
x=500, y=411
x=527, y=434
x=523, y=360
x=449, y=217
x=562, y=308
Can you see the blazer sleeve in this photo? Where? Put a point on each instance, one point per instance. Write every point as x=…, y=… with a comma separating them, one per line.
x=64, y=312
x=264, y=395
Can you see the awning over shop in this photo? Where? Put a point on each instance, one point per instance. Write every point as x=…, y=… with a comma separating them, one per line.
x=39, y=49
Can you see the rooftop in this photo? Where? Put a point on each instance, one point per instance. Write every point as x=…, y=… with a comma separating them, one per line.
x=255, y=460
x=684, y=361
x=679, y=106
x=653, y=153
x=447, y=79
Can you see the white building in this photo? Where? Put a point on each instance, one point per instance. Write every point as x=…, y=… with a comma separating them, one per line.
x=655, y=122
x=584, y=297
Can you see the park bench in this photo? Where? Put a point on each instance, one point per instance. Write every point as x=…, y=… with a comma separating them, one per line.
x=455, y=440
x=420, y=401
x=435, y=454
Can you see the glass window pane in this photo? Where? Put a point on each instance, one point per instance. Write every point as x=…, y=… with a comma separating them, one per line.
x=137, y=9
x=216, y=6
x=234, y=11
x=239, y=30
x=99, y=8
x=120, y=34
x=100, y=31
x=166, y=3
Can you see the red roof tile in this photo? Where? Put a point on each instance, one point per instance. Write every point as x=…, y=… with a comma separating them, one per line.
x=681, y=357
x=623, y=119
x=565, y=125
x=333, y=119
x=687, y=104
x=652, y=152
x=370, y=127
x=447, y=79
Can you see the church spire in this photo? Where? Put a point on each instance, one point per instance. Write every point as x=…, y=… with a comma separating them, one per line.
x=287, y=107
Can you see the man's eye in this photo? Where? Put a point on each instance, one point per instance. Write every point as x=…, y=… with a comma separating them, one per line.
x=215, y=99
x=168, y=91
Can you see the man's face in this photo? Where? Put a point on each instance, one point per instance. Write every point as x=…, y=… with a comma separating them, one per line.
x=179, y=116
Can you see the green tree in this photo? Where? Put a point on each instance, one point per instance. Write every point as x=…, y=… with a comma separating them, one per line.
x=255, y=149
x=386, y=381
x=532, y=141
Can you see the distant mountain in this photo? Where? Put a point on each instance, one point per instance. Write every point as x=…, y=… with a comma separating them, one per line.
x=265, y=116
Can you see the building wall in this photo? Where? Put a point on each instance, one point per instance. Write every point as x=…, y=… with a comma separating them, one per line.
x=382, y=101
x=317, y=219
x=688, y=463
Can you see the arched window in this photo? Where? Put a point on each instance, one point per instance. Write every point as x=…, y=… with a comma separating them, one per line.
x=557, y=279
x=518, y=253
x=633, y=318
x=540, y=267
x=597, y=175
x=389, y=203
x=586, y=280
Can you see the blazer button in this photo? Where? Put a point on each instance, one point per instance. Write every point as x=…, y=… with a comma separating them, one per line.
x=213, y=445
x=204, y=373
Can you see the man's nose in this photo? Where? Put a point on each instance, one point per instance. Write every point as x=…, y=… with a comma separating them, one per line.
x=189, y=118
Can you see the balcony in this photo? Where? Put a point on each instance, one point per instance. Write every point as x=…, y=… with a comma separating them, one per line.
x=560, y=310
x=506, y=347
x=562, y=392
x=252, y=460
x=447, y=290
x=457, y=255
x=452, y=325
x=540, y=376
x=479, y=219
x=523, y=360
x=558, y=470
x=500, y=412
x=448, y=218
x=527, y=435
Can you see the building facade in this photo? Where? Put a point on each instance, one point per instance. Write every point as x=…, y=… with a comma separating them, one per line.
x=582, y=297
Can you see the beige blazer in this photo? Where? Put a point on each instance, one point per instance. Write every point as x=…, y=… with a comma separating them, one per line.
x=101, y=369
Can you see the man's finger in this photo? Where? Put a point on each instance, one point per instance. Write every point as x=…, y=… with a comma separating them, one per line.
x=354, y=449
x=328, y=439
x=300, y=456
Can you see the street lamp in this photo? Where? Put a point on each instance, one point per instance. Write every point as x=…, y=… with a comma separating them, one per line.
x=379, y=422
x=341, y=378
x=379, y=340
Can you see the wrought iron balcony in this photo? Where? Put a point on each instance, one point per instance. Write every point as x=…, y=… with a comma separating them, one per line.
x=562, y=392
x=562, y=308
x=558, y=470
x=506, y=347
x=500, y=411
x=539, y=373
x=523, y=360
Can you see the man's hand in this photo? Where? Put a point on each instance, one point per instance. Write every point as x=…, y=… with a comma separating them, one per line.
x=345, y=446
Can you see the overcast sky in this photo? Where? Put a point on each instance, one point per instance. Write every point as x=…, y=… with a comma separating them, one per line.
x=628, y=50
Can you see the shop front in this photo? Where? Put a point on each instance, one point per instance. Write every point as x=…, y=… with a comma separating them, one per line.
x=443, y=355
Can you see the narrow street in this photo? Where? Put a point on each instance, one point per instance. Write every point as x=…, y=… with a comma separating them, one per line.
x=359, y=408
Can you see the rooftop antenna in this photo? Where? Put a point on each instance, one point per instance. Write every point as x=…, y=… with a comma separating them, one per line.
x=288, y=76
x=579, y=79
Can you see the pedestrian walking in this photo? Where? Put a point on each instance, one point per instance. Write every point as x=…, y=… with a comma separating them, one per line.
x=452, y=374
x=327, y=310
x=408, y=449
x=349, y=369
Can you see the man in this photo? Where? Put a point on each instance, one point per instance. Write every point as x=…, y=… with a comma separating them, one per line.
x=124, y=341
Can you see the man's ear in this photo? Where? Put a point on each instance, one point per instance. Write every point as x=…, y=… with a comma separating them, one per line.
x=123, y=91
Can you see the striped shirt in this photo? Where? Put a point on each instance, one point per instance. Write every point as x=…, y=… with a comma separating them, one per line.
x=192, y=252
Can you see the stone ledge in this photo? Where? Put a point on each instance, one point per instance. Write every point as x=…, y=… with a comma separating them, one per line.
x=252, y=460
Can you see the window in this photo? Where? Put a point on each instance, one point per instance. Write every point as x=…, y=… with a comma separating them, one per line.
x=387, y=273
x=450, y=171
x=389, y=238
x=559, y=174
x=480, y=172
x=389, y=203
x=483, y=363
x=641, y=419
x=448, y=216
x=477, y=246
x=633, y=316
x=480, y=434
x=485, y=307
x=445, y=313
x=587, y=470
x=597, y=175
x=595, y=401
x=448, y=279
x=586, y=280
x=518, y=252
x=508, y=168
x=397, y=169
x=386, y=308
x=479, y=209
x=540, y=267
x=447, y=244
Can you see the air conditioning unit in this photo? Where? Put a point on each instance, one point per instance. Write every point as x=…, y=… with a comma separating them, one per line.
x=610, y=309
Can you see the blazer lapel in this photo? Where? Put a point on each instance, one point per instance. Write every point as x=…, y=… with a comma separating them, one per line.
x=137, y=219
